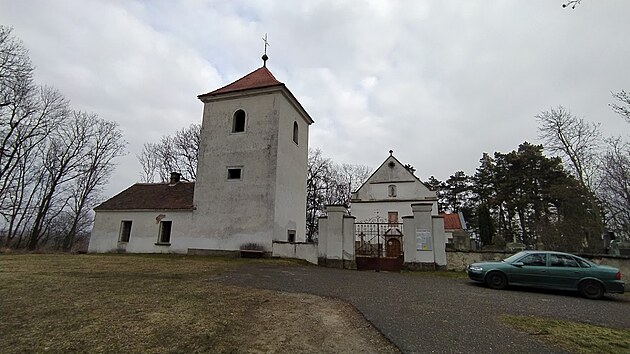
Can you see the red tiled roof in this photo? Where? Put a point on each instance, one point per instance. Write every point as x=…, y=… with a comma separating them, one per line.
x=258, y=78
x=451, y=221
x=142, y=196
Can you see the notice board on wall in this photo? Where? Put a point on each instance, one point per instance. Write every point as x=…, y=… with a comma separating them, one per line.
x=424, y=240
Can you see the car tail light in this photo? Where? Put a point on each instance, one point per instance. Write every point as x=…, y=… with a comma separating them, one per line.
x=618, y=275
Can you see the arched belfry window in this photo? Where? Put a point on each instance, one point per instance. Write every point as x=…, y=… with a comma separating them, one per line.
x=391, y=190
x=295, y=132
x=238, y=121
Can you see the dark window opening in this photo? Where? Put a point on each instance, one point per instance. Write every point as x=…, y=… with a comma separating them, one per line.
x=295, y=132
x=291, y=235
x=165, y=231
x=125, y=230
x=238, y=122
x=234, y=173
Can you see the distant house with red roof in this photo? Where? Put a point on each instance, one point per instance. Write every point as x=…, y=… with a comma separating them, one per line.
x=455, y=228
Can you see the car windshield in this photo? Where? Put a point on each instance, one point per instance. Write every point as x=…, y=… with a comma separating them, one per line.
x=514, y=257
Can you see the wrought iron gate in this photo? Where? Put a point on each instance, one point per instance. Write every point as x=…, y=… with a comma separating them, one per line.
x=378, y=245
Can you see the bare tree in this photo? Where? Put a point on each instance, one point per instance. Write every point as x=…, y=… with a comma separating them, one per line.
x=67, y=152
x=573, y=139
x=52, y=160
x=571, y=3
x=176, y=153
x=329, y=184
x=615, y=191
x=623, y=108
x=103, y=143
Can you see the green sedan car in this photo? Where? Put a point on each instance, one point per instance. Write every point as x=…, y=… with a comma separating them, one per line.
x=551, y=270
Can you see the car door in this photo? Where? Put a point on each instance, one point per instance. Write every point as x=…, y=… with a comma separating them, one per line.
x=531, y=269
x=564, y=272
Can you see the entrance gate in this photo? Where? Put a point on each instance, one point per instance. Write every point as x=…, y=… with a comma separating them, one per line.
x=378, y=244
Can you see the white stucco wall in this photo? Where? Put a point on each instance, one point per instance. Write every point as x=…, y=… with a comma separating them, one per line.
x=270, y=198
x=292, y=160
x=305, y=251
x=144, y=231
x=231, y=212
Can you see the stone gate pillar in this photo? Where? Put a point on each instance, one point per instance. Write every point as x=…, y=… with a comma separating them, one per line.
x=336, y=238
x=424, y=240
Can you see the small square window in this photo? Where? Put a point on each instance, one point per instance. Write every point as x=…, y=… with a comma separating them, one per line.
x=125, y=230
x=165, y=231
x=291, y=235
x=234, y=173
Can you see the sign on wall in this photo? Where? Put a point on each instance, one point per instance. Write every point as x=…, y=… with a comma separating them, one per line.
x=424, y=240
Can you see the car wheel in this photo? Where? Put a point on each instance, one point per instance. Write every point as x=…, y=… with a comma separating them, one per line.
x=591, y=289
x=496, y=280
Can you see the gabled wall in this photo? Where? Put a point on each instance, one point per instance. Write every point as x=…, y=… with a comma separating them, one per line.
x=373, y=198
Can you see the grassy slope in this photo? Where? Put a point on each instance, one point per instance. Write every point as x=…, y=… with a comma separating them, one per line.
x=573, y=336
x=120, y=303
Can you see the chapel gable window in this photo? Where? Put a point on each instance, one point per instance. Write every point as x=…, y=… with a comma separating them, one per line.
x=238, y=121
x=165, y=232
x=125, y=230
x=295, y=132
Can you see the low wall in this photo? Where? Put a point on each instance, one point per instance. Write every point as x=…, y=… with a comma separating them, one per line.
x=458, y=260
x=298, y=250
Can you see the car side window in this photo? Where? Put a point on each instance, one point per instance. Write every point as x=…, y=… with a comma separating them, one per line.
x=534, y=259
x=582, y=263
x=560, y=260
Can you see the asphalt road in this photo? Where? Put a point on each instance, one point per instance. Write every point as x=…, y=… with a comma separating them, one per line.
x=426, y=314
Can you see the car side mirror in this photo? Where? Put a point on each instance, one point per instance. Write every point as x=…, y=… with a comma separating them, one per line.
x=518, y=264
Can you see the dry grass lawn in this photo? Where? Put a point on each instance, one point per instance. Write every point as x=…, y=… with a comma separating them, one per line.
x=163, y=304
x=574, y=337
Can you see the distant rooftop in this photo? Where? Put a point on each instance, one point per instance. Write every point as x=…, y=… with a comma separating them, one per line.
x=146, y=196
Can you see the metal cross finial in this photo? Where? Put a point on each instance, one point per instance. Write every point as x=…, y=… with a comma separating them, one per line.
x=266, y=42
x=265, y=57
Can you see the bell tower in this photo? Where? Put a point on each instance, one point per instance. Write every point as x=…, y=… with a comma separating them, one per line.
x=251, y=175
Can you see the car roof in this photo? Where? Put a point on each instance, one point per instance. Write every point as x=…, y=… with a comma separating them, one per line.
x=550, y=252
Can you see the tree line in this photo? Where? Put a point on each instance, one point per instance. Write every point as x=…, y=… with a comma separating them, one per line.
x=565, y=202
x=54, y=161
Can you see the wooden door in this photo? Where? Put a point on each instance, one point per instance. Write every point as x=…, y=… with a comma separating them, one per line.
x=393, y=248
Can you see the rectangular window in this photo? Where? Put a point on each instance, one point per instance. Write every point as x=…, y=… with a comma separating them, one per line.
x=291, y=235
x=392, y=217
x=125, y=231
x=165, y=231
x=234, y=173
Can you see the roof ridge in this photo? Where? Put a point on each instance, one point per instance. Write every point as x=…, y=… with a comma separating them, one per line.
x=258, y=78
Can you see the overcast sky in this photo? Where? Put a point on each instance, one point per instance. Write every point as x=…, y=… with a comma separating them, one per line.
x=439, y=82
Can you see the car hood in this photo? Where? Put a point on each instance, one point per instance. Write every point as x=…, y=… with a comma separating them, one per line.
x=487, y=264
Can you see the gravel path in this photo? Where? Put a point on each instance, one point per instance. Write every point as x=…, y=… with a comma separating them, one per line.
x=421, y=313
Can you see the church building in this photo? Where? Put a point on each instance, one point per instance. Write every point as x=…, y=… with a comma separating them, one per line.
x=250, y=187
x=387, y=195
